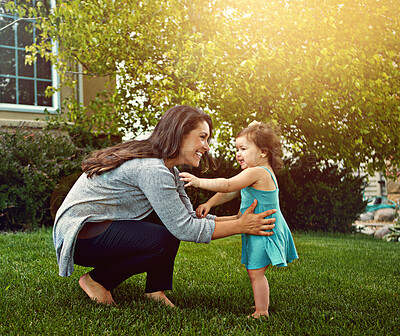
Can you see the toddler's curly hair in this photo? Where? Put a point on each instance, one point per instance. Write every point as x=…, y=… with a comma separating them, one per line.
x=266, y=138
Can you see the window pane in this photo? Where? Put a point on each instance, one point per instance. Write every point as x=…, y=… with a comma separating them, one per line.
x=7, y=90
x=25, y=35
x=43, y=68
x=7, y=36
x=7, y=61
x=42, y=100
x=20, y=83
x=26, y=92
x=24, y=70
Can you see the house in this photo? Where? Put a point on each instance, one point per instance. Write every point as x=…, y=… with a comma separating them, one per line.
x=22, y=86
x=376, y=186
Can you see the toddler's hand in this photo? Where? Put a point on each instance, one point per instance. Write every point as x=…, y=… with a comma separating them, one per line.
x=192, y=181
x=202, y=210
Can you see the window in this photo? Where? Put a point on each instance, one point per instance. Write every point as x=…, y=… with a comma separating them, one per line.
x=22, y=86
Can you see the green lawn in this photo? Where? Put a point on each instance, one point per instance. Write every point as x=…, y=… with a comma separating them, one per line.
x=341, y=285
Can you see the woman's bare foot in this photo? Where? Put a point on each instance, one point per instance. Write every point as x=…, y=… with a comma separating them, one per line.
x=95, y=291
x=160, y=297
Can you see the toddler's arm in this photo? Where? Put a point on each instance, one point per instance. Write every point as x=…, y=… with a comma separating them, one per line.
x=227, y=218
x=218, y=199
x=244, y=179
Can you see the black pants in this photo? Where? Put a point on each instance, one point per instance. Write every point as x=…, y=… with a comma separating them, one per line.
x=127, y=248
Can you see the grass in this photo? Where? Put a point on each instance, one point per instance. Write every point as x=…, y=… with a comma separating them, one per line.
x=341, y=285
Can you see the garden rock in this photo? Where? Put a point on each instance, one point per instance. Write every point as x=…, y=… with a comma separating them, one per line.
x=381, y=232
x=384, y=215
x=367, y=216
x=367, y=230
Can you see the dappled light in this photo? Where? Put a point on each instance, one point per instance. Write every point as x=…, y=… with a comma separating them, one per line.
x=326, y=71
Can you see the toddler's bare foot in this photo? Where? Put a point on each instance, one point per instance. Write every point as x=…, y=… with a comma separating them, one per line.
x=257, y=315
x=95, y=291
x=160, y=297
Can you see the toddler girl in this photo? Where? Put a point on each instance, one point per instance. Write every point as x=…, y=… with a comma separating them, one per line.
x=258, y=153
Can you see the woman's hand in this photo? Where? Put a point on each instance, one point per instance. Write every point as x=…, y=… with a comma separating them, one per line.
x=202, y=210
x=255, y=224
x=249, y=223
x=192, y=181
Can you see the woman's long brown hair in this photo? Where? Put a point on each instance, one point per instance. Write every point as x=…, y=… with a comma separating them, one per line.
x=164, y=142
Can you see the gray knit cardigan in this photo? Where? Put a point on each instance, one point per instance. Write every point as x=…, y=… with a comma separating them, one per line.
x=130, y=191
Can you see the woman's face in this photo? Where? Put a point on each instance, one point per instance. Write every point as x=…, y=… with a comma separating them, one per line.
x=194, y=145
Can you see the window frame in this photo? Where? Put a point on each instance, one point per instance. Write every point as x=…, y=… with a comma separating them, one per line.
x=9, y=107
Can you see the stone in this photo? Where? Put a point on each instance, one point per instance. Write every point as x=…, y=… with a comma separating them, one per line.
x=384, y=215
x=368, y=230
x=367, y=216
x=381, y=232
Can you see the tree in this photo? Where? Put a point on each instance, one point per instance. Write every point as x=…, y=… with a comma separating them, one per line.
x=327, y=71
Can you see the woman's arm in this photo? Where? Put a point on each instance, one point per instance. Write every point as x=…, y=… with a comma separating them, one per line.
x=166, y=196
x=244, y=179
x=249, y=222
x=158, y=186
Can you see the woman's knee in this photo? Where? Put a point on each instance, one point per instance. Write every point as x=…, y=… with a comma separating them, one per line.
x=170, y=242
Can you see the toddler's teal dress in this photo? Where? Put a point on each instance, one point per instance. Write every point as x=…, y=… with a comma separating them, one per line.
x=260, y=251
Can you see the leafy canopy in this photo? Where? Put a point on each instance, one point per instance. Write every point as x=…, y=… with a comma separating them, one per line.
x=327, y=71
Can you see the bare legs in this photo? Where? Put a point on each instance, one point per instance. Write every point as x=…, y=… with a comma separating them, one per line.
x=260, y=286
x=259, y=283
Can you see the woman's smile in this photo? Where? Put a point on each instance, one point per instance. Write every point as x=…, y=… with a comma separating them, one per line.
x=194, y=145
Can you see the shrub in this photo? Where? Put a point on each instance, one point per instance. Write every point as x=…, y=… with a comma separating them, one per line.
x=320, y=198
x=83, y=133
x=31, y=164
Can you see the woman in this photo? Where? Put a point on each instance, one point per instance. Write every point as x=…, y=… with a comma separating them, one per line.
x=128, y=211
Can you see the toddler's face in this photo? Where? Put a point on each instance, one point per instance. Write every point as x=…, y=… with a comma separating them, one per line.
x=248, y=154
